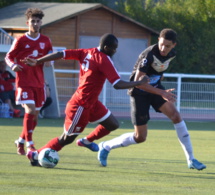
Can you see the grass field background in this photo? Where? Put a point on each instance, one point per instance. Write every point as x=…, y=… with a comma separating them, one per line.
x=157, y=166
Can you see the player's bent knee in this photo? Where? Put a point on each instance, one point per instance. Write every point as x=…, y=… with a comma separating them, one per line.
x=66, y=139
x=114, y=126
x=140, y=139
x=175, y=117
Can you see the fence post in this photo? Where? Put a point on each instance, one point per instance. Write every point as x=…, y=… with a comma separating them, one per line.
x=179, y=92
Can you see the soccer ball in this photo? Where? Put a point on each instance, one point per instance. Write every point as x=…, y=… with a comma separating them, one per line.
x=48, y=158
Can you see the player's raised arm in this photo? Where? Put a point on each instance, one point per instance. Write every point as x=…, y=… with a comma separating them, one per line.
x=50, y=57
x=165, y=94
x=125, y=85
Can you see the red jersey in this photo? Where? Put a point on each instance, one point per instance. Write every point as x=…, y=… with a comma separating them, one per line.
x=6, y=81
x=95, y=68
x=26, y=46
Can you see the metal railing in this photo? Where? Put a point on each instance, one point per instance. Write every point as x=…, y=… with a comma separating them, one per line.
x=5, y=38
x=195, y=99
x=5, y=41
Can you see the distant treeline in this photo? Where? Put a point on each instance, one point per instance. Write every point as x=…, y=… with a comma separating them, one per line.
x=193, y=20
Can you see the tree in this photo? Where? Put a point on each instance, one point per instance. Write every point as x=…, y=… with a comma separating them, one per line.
x=194, y=22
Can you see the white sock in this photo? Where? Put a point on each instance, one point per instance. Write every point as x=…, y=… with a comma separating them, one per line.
x=86, y=141
x=20, y=140
x=184, y=139
x=29, y=143
x=121, y=141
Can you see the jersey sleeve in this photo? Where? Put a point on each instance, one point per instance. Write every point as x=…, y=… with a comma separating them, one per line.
x=108, y=69
x=73, y=54
x=11, y=55
x=144, y=62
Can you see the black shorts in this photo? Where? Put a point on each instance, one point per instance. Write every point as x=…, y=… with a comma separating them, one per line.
x=140, y=105
x=7, y=95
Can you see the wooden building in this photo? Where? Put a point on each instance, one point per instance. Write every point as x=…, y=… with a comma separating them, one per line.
x=80, y=25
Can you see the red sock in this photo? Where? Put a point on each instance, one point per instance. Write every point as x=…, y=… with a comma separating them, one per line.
x=34, y=124
x=22, y=135
x=53, y=144
x=98, y=133
x=27, y=127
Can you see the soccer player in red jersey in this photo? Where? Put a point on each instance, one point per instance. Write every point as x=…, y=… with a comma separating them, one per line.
x=95, y=67
x=29, y=80
x=7, y=90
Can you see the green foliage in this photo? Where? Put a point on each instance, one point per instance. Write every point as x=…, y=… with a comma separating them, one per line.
x=194, y=22
x=4, y=3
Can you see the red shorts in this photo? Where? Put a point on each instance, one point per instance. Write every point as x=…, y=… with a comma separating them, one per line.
x=77, y=117
x=30, y=95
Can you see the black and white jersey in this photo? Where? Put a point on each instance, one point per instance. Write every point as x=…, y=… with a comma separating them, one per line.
x=153, y=64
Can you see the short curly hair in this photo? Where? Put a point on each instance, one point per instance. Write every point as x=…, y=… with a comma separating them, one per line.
x=168, y=34
x=107, y=39
x=34, y=12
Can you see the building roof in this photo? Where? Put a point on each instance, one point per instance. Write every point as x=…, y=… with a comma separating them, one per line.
x=12, y=17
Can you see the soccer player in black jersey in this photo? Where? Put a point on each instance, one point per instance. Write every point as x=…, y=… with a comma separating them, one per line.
x=152, y=62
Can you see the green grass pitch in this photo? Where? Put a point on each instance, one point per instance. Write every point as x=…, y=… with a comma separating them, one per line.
x=157, y=166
